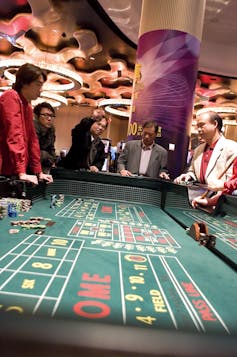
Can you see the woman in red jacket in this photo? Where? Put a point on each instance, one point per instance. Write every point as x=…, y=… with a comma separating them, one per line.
x=19, y=145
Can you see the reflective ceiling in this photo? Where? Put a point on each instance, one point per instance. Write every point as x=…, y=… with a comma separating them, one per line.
x=86, y=56
x=88, y=47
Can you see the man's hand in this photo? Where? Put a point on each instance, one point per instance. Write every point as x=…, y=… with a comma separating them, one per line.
x=125, y=173
x=94, y=169
x=199, y=201
x=183, y=178
x=45, y=177
x=164, y=176
x=205, y=201
x=29, y=178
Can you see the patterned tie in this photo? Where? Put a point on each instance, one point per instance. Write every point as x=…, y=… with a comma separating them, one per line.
x=146, y=148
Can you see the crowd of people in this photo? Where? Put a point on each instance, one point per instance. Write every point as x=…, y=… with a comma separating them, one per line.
x=27, y=144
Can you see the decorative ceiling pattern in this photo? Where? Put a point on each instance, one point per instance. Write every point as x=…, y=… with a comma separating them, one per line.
x=88, y=48
x=86, y=60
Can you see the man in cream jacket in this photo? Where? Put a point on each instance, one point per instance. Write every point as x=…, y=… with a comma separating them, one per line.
x=213, y=158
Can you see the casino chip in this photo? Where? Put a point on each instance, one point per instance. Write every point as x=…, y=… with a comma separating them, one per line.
x=13, y=231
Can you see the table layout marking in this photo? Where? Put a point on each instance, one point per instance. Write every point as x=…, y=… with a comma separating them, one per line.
x=27, y=260
x=51, y=279
x=217, y=316
x=122, y=288
x=66, y=281
x=163, y=293
x=190, y=309
x=40, y=274
x=203, y=296
x=26, y=295
x=151, y=236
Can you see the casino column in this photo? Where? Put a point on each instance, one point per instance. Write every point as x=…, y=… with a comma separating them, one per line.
x=165, y=73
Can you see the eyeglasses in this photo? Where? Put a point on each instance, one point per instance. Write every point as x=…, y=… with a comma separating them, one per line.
x=47, y=115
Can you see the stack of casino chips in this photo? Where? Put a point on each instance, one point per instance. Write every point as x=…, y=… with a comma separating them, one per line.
x=61, y=198
x=11, y=206
x=12, y=210
x=25, y=205
x=56, y=200
x=3, y=208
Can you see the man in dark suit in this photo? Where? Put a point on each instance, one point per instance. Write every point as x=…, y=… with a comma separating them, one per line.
x=87, y=149
x=144, y=157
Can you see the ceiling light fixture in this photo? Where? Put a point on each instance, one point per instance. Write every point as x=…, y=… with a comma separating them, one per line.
x=217, y=110
x=74, y=77
x=54, y=96
x=112, y=101
x=39, y=100
x=116, y=112
x=4, y=88
x=107, y=103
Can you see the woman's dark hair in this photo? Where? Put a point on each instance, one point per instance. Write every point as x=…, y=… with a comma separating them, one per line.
x=26, y=74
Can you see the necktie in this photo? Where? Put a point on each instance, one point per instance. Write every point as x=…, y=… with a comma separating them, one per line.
x=93, y=150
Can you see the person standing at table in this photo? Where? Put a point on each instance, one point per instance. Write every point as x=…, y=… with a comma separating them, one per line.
x=44, y=114
x=222, y=188
x=144, y=157
x=87, y=150
x=213, y=155
x=19, y=145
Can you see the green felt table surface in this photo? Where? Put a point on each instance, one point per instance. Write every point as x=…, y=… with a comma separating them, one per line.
x=223, y=228
x=116, y=262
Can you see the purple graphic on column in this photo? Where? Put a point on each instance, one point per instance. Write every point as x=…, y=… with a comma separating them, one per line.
x=165, y=77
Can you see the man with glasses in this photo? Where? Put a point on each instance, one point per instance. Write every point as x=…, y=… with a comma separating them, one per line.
x=144, y=157
x=212, y=159
x=44, y=126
